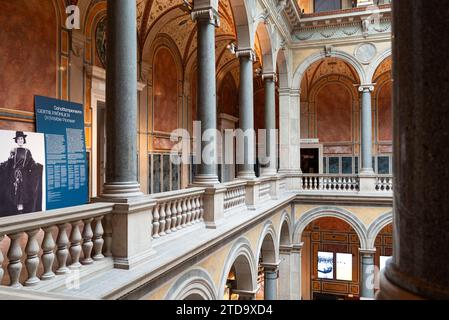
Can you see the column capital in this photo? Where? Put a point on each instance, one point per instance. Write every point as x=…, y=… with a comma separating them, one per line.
x=249, y=295
x=366, y=87
x=248, y=52
x=285, y=249
x=297, y=247
x=367, y=251
x=210, y=14
x=270, y=266
x=269, y=76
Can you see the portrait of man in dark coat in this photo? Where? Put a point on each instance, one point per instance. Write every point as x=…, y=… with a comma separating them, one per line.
x=21, y=180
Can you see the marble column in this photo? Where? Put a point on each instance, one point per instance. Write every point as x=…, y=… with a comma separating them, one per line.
x=419, y=267
x=121, y=101
x=246, y=107
x=271, y=275
x=367, y=130
x=207, y=20
x=295, y=260
x=270, y=169
x=285, y=272
x=367, y=273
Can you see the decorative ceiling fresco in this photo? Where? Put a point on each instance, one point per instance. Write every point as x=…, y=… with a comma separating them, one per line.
x=325, y=67
x=172, y=17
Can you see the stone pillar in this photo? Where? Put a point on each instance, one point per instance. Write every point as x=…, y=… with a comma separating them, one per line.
x=285, y=272
x=207, y=20
x=367, y=273
x=367, y=130
x=121, y=99
x=367, y=177
x=420, y=264
x=271, y=275
x=246, y=155
x=289, y=137
x=295, y=260
x=270, y=168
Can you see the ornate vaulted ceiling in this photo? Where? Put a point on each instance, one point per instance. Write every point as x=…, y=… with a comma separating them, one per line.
x=172, y=17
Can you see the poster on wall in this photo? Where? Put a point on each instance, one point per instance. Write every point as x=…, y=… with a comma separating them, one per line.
x=62, y=123
x=22, y=173
x=325, y=265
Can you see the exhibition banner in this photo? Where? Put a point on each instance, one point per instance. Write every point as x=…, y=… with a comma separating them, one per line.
x=62, y=123
x=22, y=173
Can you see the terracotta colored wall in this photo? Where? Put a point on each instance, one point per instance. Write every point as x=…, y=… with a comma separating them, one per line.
x=334, y=113
x=385, y=113
x=228, y=97
x=165, y=92
x=28, y=47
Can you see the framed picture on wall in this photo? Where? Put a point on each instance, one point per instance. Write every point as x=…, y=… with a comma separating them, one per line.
x=22, y=173
x=325, y=265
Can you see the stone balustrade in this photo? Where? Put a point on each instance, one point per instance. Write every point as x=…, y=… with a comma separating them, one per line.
x=235, y=195
x=384, y=183
x=56, y=242
x=177, y=210
x=334, y=183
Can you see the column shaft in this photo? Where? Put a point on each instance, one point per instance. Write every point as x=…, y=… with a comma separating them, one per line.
x=206, y=97
x=246, y=106
x=270, y=125
x=367, y=274
x=420, y=263
x=367, y=131
x=270, y=285
x=121, y=101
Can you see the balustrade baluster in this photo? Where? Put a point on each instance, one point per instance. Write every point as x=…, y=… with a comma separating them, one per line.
x=98, y=239
x=174, y=216
x=179, y=215
x=163, y=220
x=87, y=242
x=200, y=202
x=14, y=256
x=193, y=210
x=62, y=252
x=184, y=213
x=48, y=255
x=75, y=245
x=189, y=211
x=156, y=223
x=169, y=213
x=32, y=261
x=107, y=235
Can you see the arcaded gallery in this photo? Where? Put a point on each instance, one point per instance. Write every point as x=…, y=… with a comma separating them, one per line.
x=224, y=149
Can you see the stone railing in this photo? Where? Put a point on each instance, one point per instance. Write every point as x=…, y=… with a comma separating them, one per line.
x=177, y=210
x=235, y=195
x=333, y=183
x=384, y=183
x=74, y=238
x=264, y=190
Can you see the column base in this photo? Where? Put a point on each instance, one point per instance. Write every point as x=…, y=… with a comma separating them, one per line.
x=121, y=190
x=269, y=172
x=206, y=180
x=246, y=175
x=367, y=172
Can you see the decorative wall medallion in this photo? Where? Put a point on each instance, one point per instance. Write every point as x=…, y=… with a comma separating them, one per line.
x=365, y=52
x=101, y=40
